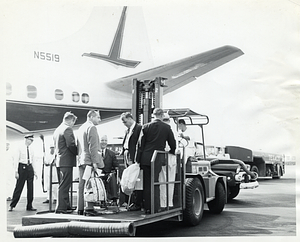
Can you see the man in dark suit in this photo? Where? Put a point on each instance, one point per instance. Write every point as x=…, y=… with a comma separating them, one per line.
x=65, y=151
x=111, y=166
x=155, y=136
x=129, y=152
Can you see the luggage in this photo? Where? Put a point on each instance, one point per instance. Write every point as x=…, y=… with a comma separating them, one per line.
x=94, y=189
x=129, y=178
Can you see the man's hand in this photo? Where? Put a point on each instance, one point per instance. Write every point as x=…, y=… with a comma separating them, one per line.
x=17, y=175
x=95, y=166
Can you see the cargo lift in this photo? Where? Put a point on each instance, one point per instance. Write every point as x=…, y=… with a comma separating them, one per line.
x=191, y=189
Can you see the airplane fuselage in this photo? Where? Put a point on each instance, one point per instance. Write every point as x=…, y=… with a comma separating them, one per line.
x=41, y=106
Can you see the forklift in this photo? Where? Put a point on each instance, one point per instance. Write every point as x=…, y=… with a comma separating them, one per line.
x=194, y=185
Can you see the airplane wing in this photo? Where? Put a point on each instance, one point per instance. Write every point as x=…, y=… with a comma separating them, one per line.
x=181, y=72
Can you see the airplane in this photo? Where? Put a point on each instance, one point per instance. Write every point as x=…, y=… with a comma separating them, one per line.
x=114, y=53
x=33, y=106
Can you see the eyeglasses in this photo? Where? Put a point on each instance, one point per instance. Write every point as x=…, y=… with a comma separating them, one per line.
x=166, y=119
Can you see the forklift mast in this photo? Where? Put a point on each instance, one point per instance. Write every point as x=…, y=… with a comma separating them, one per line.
x=146, y=96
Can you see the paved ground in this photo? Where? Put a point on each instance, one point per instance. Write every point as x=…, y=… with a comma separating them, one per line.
x=266, y=212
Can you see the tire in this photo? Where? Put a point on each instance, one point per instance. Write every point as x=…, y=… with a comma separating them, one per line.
x=194, y=199
x=217, y=205
x=255, y=169
x=233, y=192
x=278, y=175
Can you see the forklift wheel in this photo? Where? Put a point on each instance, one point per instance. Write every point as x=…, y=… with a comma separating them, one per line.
x=217, y=205
x=194, y=202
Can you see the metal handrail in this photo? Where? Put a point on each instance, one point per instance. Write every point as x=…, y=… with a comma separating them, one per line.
x=167, y=182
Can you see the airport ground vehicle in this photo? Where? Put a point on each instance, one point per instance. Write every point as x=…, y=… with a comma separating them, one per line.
x=192, y=188
x=264, y=164
x=237, y=173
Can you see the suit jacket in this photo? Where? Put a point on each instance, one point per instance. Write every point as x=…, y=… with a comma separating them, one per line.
x=65, y=146
x=132, y=140
x=155, y=136
x=110, y=161
x=88, y=145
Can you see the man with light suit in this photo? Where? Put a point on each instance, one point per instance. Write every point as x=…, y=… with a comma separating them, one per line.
x=88, y=155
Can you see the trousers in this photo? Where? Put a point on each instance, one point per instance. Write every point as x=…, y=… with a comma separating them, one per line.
x=147, y=186
x=65, y=182
x=26, y=174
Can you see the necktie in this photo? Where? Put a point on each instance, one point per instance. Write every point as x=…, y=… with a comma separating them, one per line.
x=102, y=153
x=28, y=157
x=126, y=141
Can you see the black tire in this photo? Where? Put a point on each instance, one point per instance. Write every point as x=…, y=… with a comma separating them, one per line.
x=194, y=199
x=217, y=205
x=255, y=169
x=233, y=192
x=279, y=174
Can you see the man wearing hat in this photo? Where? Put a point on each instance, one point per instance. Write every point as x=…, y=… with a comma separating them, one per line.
x=65, y=151
x=24, y=172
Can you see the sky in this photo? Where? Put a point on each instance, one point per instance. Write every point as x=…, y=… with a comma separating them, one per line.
x=252, y=101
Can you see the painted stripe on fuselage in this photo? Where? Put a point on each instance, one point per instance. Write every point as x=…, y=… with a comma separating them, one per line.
x=40, y=116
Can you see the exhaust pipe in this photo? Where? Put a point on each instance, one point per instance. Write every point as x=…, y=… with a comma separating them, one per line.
x=253, y=175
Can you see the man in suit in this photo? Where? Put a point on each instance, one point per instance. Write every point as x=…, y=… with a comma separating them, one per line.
x=88, y=155
x=110, y=169
x=24, y=172
x=155, y=136
x=129, y=152
x=65, y=151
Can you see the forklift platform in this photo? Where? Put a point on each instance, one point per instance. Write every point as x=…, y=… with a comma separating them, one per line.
x=106, y=224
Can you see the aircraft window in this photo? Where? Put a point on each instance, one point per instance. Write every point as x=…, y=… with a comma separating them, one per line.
x=59, y=94
x=8, y=88
x=85, y=98
x=75, y=97
x=31, y=91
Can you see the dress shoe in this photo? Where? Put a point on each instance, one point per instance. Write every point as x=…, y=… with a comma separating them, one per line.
x=124, y=205
x=147, y=211
x=10, y=209
x=161, y=209
x=46, y=201
x=31, y=209
x=134, y=207
x=90, y=212
x=114, y=204
x=63, y=211
x=80, y=212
